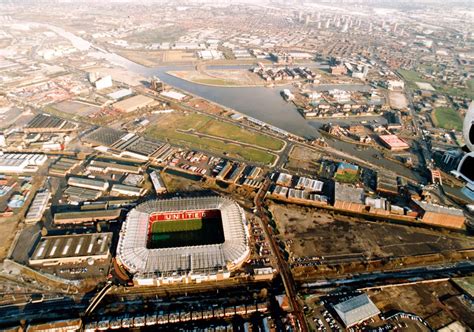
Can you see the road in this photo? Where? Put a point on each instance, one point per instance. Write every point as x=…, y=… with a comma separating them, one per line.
x=283, y=267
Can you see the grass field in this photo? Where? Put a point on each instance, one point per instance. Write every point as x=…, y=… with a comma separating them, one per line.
x=412, y=76
x=227, y=130
x=170, y=127
x=182, y=233
x=447, y=118
x=160, y=35
x=347, y=177
x=215, y=81
x=172, y=226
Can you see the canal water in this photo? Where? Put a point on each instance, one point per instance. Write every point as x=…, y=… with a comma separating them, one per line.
x=262, y=103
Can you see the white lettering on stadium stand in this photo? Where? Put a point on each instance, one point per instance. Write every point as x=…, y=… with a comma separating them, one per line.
x=183, y=215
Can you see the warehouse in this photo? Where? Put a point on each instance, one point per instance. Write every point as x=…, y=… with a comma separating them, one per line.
x=79, y=217
x=21, y=162
x=67, y=249
x=37, y=207
x=284, y=179
x=124, y=190
x=63, y=166
x=309, y=184
x=45, y=123
x=106, y=167
x=134, y=103
x=441, y=215
x=393, y=142
x=387, y=184
x=158, y=183
x=347, y=197
x=76, y=194
x=356, y=310
x=87, y=183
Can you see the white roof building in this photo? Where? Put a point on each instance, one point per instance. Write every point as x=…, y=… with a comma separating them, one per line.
x=356, y=310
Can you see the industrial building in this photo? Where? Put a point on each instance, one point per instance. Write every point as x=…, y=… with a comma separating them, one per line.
x=182, y=263
x=356, y=310
x=393, y=143
x=77, y=194
x=124, y=190
x=45, y=123
x=79, y=217
x=123, y=144
x=440, y=215
x=134, y=103
x=106, y=167
x=21, y=162
x=387, y=184
x=71, y=249
x=309, y=184
x=94, y=184
x=284, y=179
x=37, y=207
x=348, y=197
x=64, y=166
x=158, y=183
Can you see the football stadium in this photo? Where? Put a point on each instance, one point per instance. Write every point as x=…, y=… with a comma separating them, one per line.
x=183, y=240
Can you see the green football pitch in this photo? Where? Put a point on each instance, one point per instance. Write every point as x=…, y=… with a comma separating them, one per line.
x=180, y=233
x=171, y=226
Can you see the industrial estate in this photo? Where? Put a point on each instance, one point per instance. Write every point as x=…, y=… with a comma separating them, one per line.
x=274, y=165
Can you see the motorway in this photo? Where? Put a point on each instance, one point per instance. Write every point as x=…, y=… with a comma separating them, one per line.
x=283, y=267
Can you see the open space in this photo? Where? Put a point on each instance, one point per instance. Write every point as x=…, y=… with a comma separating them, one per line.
x=74, y=107
x=437, y=302
x=447, y=118
x=317, y=233
x=228, y=77
x=201, y=132
x=8, y=228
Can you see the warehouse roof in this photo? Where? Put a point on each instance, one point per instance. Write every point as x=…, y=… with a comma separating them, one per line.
x=348, y=193
x=76, y=245
x=133, y=103
x=356, y=310
x=428, y=207
x=93, y=215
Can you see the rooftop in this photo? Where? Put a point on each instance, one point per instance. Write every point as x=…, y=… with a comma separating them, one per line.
x=77, y=245
x=356, y=310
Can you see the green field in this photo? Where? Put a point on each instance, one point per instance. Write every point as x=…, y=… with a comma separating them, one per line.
x=181, y=233
x=185, y=129
x=447, y=118
x=172, y=226
x=160, y=35
x=347, y=177
x=233, y=132
x=412, y=76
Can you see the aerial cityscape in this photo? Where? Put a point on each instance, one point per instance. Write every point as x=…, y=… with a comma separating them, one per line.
x=274, y=165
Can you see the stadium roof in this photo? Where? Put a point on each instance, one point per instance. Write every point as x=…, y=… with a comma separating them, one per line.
x=201, y=260
x=356, y=310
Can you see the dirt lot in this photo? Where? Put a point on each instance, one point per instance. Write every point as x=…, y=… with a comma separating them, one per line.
x=229, y=77
x=120, y=75
x=317, y=233
x=431, y=301
x=73, y=107
x=156, y=58
x=302, y=158
x=8, y=228
x=397, y=100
